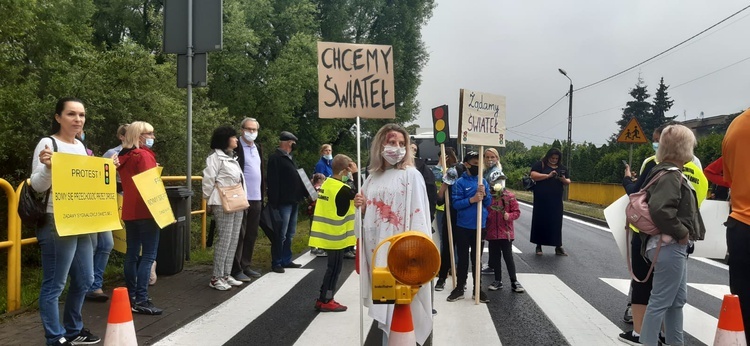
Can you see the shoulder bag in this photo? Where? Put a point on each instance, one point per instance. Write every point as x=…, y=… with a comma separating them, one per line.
x=31, y=209
x=233, y=198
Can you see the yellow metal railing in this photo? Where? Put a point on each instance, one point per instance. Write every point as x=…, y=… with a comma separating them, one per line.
x=15, y=242
x=595, y=193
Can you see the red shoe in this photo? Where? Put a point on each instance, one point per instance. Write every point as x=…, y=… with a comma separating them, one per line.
x=332, y=306
x=318, y=304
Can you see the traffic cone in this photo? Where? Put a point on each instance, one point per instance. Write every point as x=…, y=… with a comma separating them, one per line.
x=402, y=327
x=120, y=327
x=730, y=331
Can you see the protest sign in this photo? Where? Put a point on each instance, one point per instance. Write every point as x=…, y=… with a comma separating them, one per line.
x=84, y=193
x=119, y=236
x=152, y=191
x=355, y=80
x=481, y=118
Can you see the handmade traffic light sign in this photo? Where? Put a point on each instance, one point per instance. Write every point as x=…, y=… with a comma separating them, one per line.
x=440, y=124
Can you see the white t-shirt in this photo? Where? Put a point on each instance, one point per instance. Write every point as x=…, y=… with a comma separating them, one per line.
x=41, y=176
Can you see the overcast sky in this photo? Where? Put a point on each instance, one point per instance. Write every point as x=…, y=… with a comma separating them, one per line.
x=514, y=48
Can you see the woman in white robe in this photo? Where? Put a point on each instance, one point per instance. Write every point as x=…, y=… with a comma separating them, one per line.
x=395, y=201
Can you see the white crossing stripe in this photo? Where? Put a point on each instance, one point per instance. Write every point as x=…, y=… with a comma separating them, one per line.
x=234, y=314
x=696, y=322
x=578, y=321
x=346, y=323
x=486, y=249
x=462, y=322
x=717, y=291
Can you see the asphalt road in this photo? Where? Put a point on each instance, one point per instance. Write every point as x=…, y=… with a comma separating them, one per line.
x=574, y=300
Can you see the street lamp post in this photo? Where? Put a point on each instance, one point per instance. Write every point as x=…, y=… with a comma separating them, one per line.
x=570, y=126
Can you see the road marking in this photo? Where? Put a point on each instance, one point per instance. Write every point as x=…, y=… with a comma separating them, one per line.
x=462, y=322
x=223, y=322
x=717, y=291
x=346, y=323
x=486, y=249
x=711, y=262
x=696, y=322
x=578, y=321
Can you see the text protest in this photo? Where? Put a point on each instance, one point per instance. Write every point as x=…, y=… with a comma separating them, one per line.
x=482, y=118
x=84, y=197
x=151, y=188
x=355, y=80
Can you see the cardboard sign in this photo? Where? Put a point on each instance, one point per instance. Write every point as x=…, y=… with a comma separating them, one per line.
x=355, y=80
x=481, y=118
x=84, y=194
x=714, y=214
x=152, y=191
x=119, y=236
x=308, y=184
x=633, y=133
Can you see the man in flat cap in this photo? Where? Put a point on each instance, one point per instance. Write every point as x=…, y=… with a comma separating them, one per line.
x=285, y=191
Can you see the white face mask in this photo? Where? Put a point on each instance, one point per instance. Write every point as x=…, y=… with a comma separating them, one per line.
x=328, y=157
x=250, y=136
x=393, y=154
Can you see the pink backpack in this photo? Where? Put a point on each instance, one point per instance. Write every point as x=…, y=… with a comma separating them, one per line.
x=637, y=214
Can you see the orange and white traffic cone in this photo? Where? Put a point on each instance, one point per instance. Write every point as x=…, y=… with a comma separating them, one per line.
x=402, y=327
x=730, y=331
x=120, y=327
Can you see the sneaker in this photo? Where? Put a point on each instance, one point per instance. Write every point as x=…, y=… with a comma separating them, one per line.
x=147, y=308
x=217, y=283
x=331, y=306
x=251, y=273
x=483, y=298
x=456, y=294
x=662, y=340
x=85, y=338
x=292, y=265
x=629, y=338
x=440, y=285
x=97, y=296
x=318, y=304
x=560, y=251
x=232, y=281
x=495, y=285
x=434, y=312
x=627, y=317
x=242, y=277
x=350, y=254
x=318, y=252
x=278, y=269
x=488, y=271
x=516, y=286
x=62, y=342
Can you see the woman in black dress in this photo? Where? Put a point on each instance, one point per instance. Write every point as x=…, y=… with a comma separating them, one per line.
x=546, y=220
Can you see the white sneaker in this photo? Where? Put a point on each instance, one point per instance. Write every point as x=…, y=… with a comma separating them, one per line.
x=219, y=284
x=232, y=281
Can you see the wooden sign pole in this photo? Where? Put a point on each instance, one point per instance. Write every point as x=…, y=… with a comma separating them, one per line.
x=448, y=219
x=478, y=246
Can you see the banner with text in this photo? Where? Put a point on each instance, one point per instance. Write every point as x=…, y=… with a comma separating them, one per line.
x=355, y=80
x=152, y=191
x=481, y=118
x=119, y=236
x=85, y=194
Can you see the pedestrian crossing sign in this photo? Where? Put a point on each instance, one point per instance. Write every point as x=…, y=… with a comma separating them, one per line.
x=633, y=133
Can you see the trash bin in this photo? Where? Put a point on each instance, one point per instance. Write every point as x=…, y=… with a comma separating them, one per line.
x=170, y=256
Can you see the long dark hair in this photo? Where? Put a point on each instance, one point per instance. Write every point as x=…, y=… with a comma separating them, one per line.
x=552, y=151
x=59, y=107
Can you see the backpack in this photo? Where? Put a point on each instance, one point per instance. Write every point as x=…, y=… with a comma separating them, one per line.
x=637, y=213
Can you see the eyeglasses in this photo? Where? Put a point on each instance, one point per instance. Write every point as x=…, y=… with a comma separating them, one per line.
x=248, y=129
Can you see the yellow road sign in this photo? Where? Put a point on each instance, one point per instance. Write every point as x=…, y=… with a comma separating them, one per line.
x=633, y=133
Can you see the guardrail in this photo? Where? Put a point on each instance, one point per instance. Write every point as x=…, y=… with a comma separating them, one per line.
x=595, y=193
x=15, y=243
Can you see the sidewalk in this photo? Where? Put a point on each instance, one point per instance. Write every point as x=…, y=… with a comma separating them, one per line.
x=183, y=296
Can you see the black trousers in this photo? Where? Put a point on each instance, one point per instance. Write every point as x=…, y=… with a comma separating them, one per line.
x=466, y=243
x=502, y=248
x=738, y=245
x=331, y=277
x=248, y=234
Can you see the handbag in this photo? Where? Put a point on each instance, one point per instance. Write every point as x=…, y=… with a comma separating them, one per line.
x=637, y=213
x=528, y=183
x=31, y=209
x=233, y=198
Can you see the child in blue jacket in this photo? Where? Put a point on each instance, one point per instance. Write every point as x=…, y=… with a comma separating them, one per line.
x=465, y=196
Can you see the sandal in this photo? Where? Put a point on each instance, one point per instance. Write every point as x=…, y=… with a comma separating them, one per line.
x=560, y=251
x=538, y=250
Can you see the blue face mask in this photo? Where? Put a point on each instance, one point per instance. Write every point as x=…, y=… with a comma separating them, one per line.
x=83, y=136
x=328, y=157
x=149, y=142
x=655, y=145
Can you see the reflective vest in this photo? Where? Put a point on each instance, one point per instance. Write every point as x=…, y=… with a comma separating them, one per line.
x=329, y=231
x=693, y=174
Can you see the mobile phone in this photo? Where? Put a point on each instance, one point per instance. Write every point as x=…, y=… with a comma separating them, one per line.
x=624, y=162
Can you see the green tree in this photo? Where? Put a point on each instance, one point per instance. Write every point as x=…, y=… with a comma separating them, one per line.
x=638, y=108
x=659, y=108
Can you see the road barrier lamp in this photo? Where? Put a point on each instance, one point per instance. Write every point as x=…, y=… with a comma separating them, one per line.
x=569, y=154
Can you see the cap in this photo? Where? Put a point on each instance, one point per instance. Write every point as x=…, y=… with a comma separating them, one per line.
x=471, y=155
x=287, y=136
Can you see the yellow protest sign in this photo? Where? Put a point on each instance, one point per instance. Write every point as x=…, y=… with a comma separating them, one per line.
x=84, y=192
x=119, y=236
x=152, y=191
x=632, y=133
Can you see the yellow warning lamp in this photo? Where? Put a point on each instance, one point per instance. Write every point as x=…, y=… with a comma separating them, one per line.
x=413, y=260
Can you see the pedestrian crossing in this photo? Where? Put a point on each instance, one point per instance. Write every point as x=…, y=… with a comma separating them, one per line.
x=462, y=322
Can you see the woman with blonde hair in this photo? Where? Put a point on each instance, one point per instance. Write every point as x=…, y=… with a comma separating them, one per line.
x=326, y=158
x=141, y=230
x=394, y=200
x=494, y=170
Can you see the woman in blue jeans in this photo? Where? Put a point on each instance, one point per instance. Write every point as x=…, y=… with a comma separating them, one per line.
x=141, y=230
x=673, y=207
x=62, y=255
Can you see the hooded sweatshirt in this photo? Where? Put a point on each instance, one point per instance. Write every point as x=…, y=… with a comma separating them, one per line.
x=134, y=161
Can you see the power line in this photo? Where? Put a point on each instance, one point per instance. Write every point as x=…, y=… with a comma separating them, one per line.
x=663, y=52
x=536, y=116
x=710, y=73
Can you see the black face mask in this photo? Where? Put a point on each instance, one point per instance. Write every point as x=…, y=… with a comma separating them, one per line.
x=474, y=170
x=293, y=146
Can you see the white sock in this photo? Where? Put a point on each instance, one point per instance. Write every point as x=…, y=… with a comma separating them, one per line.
x=636, y=334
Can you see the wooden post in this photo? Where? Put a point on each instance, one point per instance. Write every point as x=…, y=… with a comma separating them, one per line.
x=478, y=257
x=448, y=219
